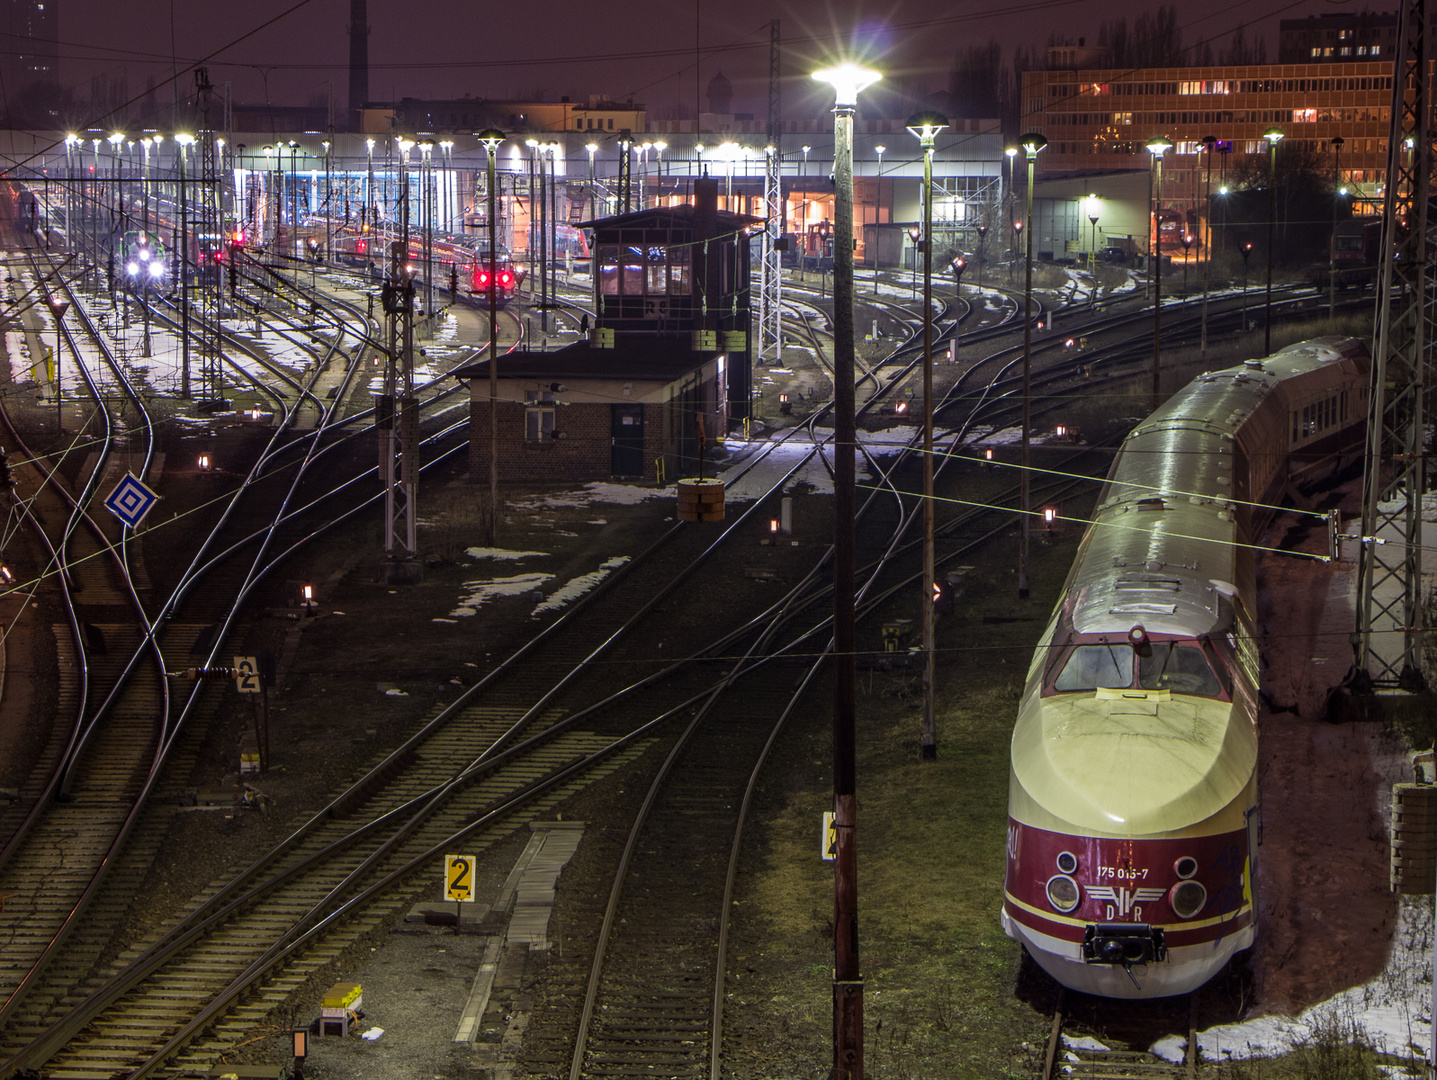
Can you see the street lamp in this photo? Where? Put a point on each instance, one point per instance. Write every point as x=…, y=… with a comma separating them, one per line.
x=1014, y=228
x=1246, y=252
x=1273, y=137
x=880, y=150
x=1208, y=141
x=925, y=127
x=58, y=308
x=847, y=80
x=491, y=140
x=1093, y=221
x=592, y=148
x=1158, y=146
x=184, y=141
x=982, y=235
x=1332, y=238
x=915, y=234
x=1032, y=145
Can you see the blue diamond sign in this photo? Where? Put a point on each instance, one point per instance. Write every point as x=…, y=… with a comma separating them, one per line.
x=131, y=501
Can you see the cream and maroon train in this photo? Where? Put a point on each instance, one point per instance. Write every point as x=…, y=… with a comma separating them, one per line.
x=1132, y=807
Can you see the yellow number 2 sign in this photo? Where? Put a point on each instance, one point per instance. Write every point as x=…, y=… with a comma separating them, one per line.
x=459, y=878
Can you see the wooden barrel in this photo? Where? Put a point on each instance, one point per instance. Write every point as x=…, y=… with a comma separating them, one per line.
x=700, y=500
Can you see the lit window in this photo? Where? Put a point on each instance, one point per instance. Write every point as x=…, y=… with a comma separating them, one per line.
x=1304, y=116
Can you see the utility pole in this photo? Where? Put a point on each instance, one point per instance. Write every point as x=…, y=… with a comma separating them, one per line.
x=770, y=297
x=397, y=411
x=1387, y=645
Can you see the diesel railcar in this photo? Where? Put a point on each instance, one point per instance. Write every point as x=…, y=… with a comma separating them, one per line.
x=1133, y=773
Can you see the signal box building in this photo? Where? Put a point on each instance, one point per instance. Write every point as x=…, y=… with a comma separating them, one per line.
x=665, y=369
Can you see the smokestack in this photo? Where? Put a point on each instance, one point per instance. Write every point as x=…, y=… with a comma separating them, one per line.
x=358, y=57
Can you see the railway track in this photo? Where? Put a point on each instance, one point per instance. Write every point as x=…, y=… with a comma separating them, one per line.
x=285, y=958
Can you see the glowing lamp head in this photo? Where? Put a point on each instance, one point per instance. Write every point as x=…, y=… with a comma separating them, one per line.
x=1032, y=144
x=1159, y=145
x=848, y=81
x=1273, y=136
x=925, y=126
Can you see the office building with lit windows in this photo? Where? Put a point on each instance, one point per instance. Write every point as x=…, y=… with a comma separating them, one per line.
x=29, y=62
x=1099, y=121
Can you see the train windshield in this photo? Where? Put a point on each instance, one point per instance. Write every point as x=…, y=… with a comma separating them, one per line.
x=1178, y=666
x=1092, y=666
x=1182, y=667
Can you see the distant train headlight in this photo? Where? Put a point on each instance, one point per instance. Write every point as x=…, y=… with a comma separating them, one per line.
x=132, y=269
x=1187, y=898
x=1063, y=893
x=156, y=269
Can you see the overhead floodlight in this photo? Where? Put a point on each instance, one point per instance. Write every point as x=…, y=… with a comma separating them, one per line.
x=184, y=138
x=848, y=81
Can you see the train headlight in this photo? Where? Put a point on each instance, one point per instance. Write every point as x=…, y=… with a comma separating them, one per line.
x=1187, y=898
x=1067, y=862
x=1185, y=867
x=1063, y=893
x=156, y=269
x=132, y=268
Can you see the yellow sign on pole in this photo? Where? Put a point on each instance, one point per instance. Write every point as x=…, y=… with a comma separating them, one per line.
x=459, y=878
x=830, y=837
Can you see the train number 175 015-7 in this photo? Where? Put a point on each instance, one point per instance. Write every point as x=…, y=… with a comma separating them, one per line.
x=1122, y=873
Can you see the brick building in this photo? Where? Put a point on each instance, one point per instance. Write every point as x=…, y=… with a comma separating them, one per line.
x=666, y=367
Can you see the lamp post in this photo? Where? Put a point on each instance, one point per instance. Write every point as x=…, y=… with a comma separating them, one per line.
x=1032, y=145
x=491, y=140
x=1273, y=137
x=426, y=213
x=1208, y=141
x=1246, y=251
x=880, y=150
x=1012, y=153
x=925, y=127
x=58, y=308
x=847, y=80
x=1332, y=238
x=592, y=148
x=1093, y=221
x=184, y=141
x=914, y=234
x=1158, y=146
x=982, y=235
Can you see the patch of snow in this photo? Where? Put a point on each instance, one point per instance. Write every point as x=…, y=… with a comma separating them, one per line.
x=1392, y=1013
x=577, y=587
x=479, y=593
x=501, y=554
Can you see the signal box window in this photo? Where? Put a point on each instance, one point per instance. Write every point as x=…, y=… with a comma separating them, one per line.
x=538, y=416
x=609, y=269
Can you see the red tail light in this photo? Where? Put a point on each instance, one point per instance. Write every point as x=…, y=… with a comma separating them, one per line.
x=506, y=278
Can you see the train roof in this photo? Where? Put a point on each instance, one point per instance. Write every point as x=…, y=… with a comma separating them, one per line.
x=1161, y=552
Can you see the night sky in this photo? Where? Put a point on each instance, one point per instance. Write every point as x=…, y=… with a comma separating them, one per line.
x=639, y=48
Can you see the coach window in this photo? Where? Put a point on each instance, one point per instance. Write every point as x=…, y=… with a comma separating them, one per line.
x=609, y=269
